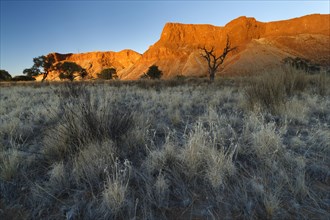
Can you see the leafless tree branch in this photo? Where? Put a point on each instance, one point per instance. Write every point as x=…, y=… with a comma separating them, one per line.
x=214, y=61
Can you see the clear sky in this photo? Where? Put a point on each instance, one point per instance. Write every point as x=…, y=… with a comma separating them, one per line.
x=33, y=28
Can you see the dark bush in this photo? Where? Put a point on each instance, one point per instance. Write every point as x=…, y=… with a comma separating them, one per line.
x=153, y=73
x=109, y=73
x=23, y=78
x=68, y=70
x=4, y=75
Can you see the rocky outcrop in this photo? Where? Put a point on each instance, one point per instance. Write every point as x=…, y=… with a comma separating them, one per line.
x=95, y=62
x=259, y=45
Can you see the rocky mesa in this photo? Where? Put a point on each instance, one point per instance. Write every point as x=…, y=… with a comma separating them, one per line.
x=260, y=45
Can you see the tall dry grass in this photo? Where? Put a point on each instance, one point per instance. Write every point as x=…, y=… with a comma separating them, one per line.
x=270, y=90
x=255, y=148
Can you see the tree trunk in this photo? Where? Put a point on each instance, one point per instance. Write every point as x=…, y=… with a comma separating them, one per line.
x=212, y=75
x=45, y=76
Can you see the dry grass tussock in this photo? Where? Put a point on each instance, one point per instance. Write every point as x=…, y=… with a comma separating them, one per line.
x=244, y=148
x=270, y=91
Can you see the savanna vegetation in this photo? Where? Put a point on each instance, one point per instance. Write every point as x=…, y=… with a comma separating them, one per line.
x=108, y=73
x=215, y=61
x=4, y=75
x=238, y=148
x=70, y=70
x=41, y=65
x=153, y=73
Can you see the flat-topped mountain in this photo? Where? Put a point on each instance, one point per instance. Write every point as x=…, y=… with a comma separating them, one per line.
x=260, y=45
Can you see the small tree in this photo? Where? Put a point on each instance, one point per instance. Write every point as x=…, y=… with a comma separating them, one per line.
x=42, y=65
x=68, y=69
x=4, y=75
x=153, y=73
x=33, y=71
x=109, y=73
x=214, y=61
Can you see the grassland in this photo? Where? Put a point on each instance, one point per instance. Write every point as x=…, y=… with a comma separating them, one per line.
x=239, y=148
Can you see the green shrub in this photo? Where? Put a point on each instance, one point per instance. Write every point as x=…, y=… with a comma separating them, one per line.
x=153, y=73
x=69, y=69
x=109, y=73
x=4, y=75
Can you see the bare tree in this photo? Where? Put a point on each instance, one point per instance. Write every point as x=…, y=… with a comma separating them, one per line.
x=214, y=61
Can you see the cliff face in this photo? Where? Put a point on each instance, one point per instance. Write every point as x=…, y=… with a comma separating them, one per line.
x=260, y=45
x=94, y=62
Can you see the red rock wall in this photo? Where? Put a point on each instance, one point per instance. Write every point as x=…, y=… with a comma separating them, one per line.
x=177, y=52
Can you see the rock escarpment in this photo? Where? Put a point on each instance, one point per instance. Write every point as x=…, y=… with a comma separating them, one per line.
x=259, y=45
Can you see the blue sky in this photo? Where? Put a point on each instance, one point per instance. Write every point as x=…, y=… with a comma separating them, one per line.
x=33, y=28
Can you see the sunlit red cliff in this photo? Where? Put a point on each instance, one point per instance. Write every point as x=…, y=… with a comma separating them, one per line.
x=260, y=46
